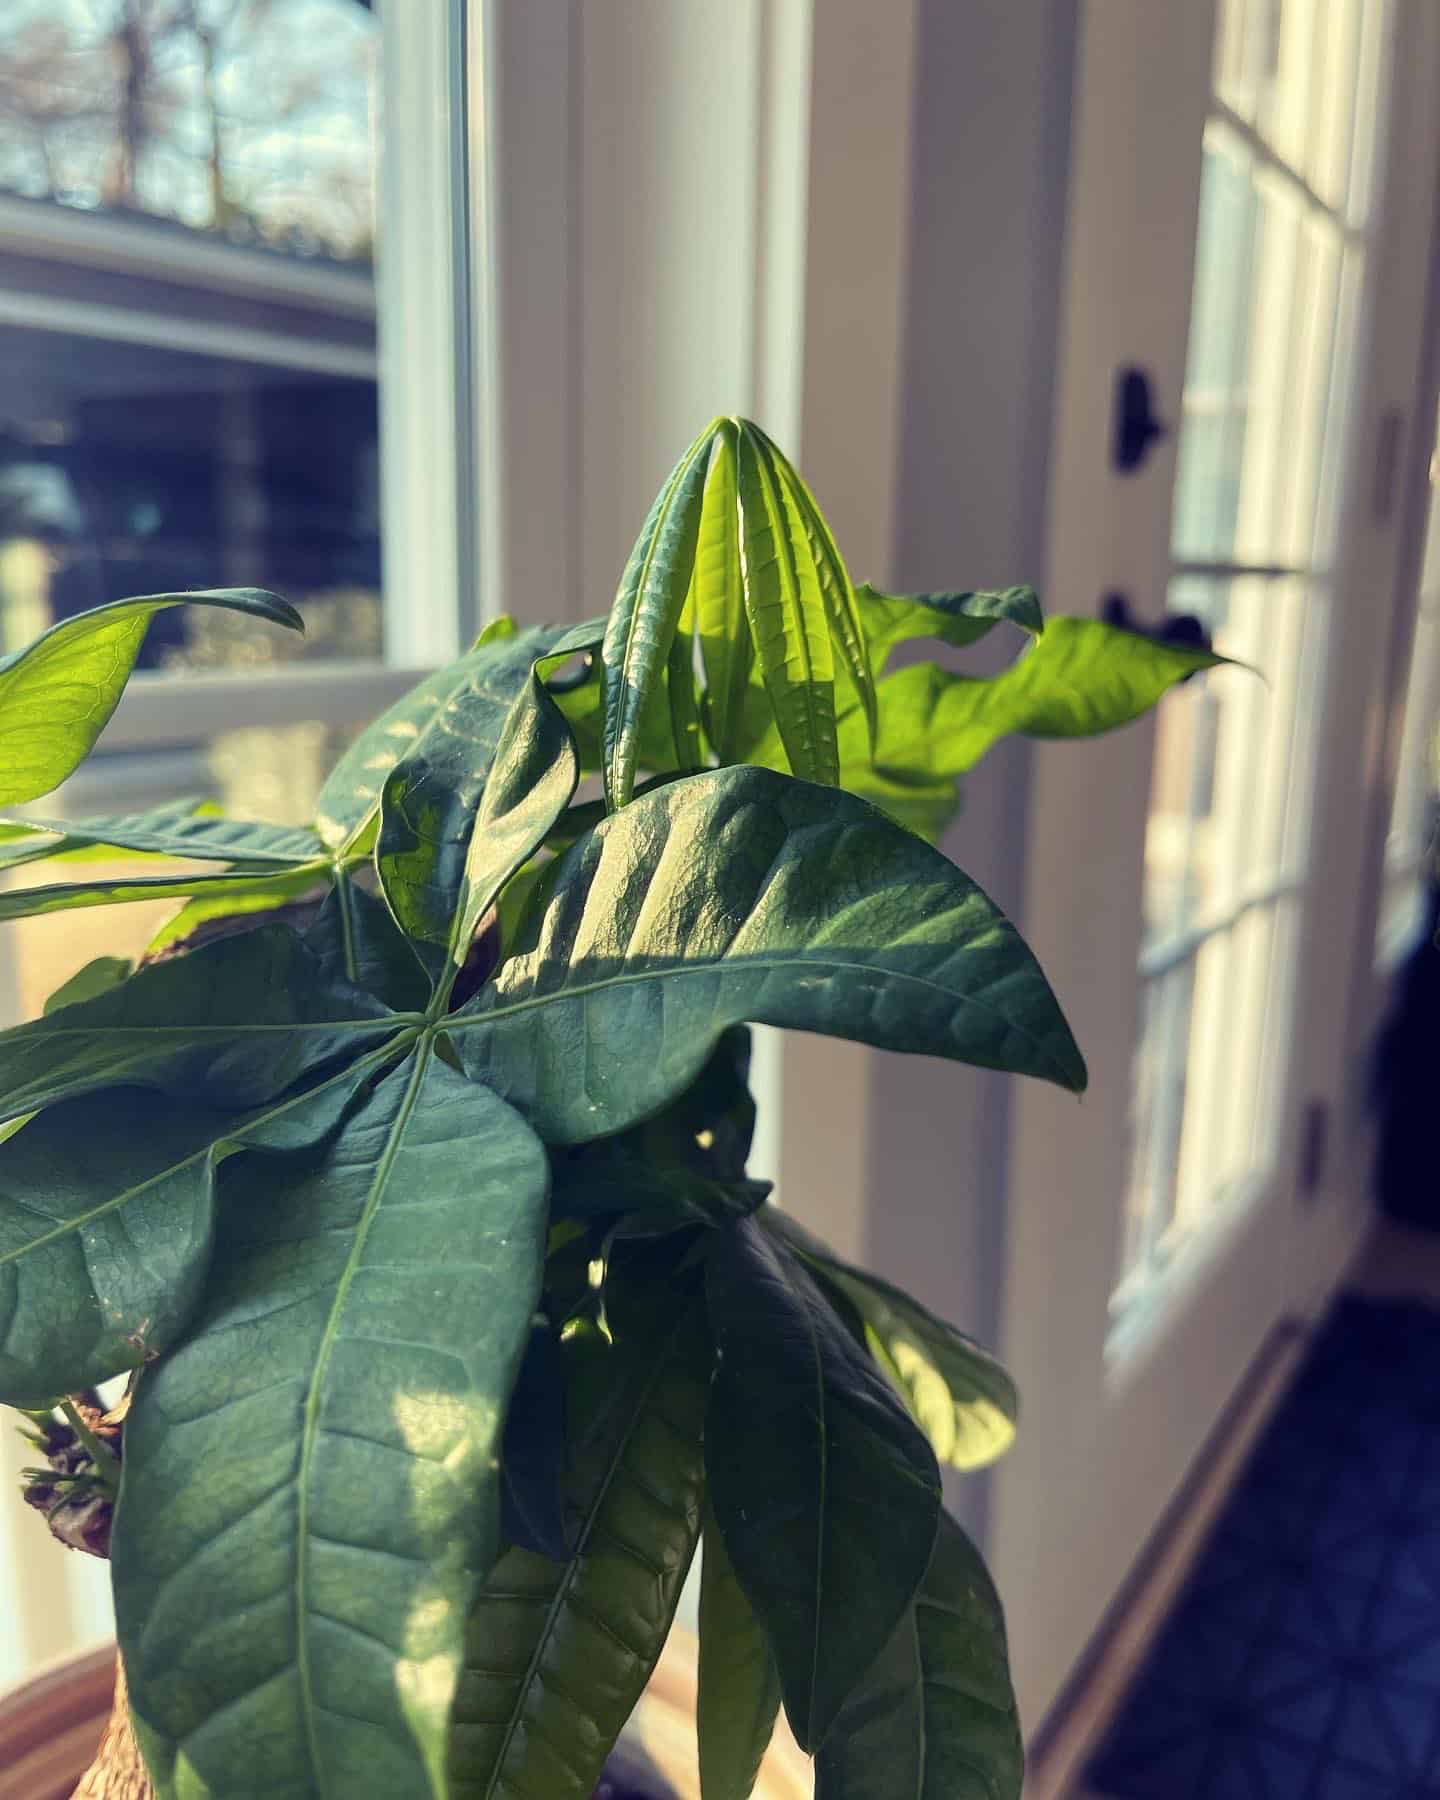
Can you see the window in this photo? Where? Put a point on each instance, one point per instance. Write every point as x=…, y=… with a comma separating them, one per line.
x=195, y=304
x=1410, y=846
x=1286, y=207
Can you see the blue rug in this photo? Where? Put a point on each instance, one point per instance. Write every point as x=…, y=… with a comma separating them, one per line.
x=1302, y=1661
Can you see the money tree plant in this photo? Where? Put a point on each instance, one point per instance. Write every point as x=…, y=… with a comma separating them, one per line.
x=399, y=1193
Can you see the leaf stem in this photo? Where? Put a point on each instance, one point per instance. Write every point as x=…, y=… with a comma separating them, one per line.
x=107, y=1463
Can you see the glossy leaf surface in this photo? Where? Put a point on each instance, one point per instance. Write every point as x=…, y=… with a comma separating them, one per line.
x=739, y=1691
x=57, y=694
x=107, y=1216
x=231, y=1025
x=962, y=1398
x=742, y=895
x=559, y=1653
x=645, y=613
x=958, y=619
x=718, y=595
x=785, y=610
x=935, y=1718
x=806, y=1448
x=311, y=1491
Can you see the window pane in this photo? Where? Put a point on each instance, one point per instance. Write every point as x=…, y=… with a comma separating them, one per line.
x=187, y=315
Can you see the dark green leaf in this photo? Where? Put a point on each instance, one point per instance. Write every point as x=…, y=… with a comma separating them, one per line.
x=354, y=939
x=269, y=886
x=532, y=1462
x=97, y=977
x=311, y=1488
x=182, y=829
x=57, y=694
x=786, y=613
x=530, y=784
x=32, y=840
x=806, y=1448
x=107, y=1214
x=483, y=682
x=935, y=1718
x=646, y=611
x=959, y=619
x=740, y=894
x=231, y=1025
x=718, y=594
x=558, y=1653
x=685, y=1166
x=431, y=796
x=739, y=1694
x=962, y=1398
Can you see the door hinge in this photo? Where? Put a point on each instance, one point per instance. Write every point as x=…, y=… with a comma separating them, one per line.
x=1314, y=1142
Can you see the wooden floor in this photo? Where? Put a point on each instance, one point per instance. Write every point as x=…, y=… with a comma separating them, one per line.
x=1397, y=1263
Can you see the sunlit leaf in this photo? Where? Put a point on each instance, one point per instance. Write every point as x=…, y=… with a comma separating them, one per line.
x=645, y=613
x=807, y=1450
x=57, y=693
x=312, y=1495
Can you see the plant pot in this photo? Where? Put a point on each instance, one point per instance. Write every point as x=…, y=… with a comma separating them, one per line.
x=50, y=1731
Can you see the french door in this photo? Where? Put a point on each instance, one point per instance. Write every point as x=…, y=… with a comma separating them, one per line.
x=1251, y=213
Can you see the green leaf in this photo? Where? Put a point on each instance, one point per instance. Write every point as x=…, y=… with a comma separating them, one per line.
x=961, y=1397
x=646, y=611
x=529, y=785
x=960, y=619
x=842, y=611
x=806, y=1449
x=97, y=977
x=355, y=939
x=57, y=694
x=311, y=1493
x=739, y=1693
x=718, y=595
x=183, y=830
x=532, y=1461
x=29, y=840
x=483, y=682
x=432, y=794
x=271, y=887
x=786, y=613
x=107, y=1216
x=740, y=894
x=231, y=1025
x=935, y=1718
x=1080, y=678
x=681, y=696
x=222, y=909
x=684, y=1166
x=559, y=1653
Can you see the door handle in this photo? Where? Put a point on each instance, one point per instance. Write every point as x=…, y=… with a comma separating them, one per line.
x=1185, y=630
x=1136, y=426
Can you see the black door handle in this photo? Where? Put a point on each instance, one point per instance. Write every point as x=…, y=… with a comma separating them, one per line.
x=1136, y=426
x=1182, y=629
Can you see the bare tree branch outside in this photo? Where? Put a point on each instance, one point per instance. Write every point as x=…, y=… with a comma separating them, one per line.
x=252, y=118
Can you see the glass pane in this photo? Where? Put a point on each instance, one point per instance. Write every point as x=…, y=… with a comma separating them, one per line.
x=1286, y=56
x=1278, y=281
x=187, y=368
x=1212, y=436
x=252, y=119
x=1333, y=116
